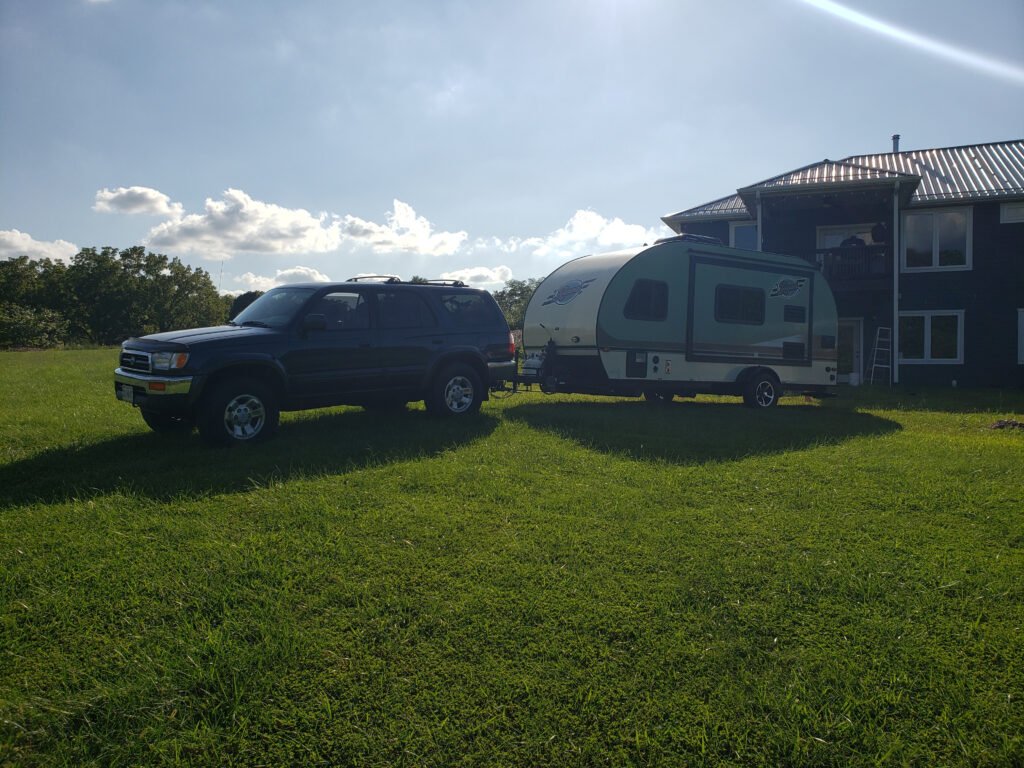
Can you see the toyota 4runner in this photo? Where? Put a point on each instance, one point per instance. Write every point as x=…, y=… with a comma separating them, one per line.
x=375, y=344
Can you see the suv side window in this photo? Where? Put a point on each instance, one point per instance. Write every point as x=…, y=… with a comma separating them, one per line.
x=469, y=310
x=403, y=309
x=343, y=311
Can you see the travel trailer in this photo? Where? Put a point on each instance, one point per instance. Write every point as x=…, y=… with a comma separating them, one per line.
x=681, y=317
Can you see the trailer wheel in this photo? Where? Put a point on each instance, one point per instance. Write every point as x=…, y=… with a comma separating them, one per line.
x=761, y=389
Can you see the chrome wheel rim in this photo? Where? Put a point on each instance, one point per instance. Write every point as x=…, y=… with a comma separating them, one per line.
x=244, y=417
x=764, y=394
x=458, y=394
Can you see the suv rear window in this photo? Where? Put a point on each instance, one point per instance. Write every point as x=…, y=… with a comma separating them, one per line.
x=470, y=309
x=404, y=310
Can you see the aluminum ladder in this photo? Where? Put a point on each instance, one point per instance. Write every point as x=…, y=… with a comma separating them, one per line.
x=881, y=355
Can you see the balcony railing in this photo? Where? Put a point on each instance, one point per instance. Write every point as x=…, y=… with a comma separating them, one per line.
x=854, y=263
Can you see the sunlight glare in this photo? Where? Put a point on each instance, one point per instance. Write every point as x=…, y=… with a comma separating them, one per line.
x=995, y=67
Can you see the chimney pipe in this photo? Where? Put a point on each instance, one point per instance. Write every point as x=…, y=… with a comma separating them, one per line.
x=895, y=143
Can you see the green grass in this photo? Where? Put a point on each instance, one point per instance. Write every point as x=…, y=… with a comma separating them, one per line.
x=561, y=581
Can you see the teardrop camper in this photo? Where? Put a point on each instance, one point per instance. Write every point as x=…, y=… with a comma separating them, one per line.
x=681, y=317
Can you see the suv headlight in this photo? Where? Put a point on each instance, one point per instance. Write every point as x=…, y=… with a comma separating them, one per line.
x=169, y=361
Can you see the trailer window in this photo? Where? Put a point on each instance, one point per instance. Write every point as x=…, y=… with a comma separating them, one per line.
x=647, y=301
x=739, y=304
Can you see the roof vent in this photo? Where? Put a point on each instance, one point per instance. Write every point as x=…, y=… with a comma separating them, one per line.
x=895, y=143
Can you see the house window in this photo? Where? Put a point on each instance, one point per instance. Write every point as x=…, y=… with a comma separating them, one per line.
x=1011, y=213
x=935, y=336
x=937, y=240
x=647, y=301
x=743, y=235
x=739, y=304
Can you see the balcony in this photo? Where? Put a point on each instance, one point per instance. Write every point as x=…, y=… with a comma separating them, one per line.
x=856, y=266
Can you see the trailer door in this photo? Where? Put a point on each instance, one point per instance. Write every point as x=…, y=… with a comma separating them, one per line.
x=749, y=312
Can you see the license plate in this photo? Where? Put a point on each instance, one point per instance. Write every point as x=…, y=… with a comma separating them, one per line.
x=125, y=392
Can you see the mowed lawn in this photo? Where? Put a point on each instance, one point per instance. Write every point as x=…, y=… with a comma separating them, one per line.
x=560, y=581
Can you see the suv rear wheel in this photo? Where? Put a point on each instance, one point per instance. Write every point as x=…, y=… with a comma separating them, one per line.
x=455, y=391
x=238, y=411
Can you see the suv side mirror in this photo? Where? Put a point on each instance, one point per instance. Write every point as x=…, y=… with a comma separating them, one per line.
x=314, y=322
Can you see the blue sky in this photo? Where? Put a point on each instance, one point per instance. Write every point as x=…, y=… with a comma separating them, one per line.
x=269, y=142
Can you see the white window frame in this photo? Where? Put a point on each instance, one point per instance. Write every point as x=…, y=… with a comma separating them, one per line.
x=968, y=255
x=928, y=314
x=1011, y=213
x=732, y=231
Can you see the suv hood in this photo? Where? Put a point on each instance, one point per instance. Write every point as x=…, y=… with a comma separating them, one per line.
x=194, y=336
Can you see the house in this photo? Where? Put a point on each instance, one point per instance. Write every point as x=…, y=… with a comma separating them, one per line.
x=924, y=251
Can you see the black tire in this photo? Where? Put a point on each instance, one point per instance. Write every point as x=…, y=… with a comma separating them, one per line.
x=761, y=389
x=455, y=391
x=657, y=398
x=238, y=411
x=166, y=423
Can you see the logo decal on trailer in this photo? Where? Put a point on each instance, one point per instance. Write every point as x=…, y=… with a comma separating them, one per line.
x=787, y=287
x=567, y=292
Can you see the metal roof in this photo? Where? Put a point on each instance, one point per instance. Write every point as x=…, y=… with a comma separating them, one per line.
x=975, y=172
x=952, y=174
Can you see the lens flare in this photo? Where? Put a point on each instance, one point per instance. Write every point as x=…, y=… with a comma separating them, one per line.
x=1001, y=69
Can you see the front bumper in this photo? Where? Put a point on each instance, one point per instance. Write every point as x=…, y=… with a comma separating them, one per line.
x=158, y=393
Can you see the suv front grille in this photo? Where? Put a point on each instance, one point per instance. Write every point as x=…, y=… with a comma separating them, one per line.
x=135, y=361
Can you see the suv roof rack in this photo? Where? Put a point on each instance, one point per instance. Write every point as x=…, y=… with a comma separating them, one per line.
x=393, y=279
x=381, y=278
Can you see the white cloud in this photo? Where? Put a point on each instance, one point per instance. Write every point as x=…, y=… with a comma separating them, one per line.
x=296, y=274
x=404, y=231
x=590, y=232
x=237, y=223
x=14, y=243
x=136, y=200
x=490, y=278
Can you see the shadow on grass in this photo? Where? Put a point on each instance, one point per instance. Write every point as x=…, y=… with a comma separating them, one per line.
x=937, y=399
x=181, y=466
x=695, y=432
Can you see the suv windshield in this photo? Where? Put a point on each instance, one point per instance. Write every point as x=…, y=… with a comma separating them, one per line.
x=275, y=308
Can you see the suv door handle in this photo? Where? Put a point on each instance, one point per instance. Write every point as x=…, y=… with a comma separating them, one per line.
x=437, y=341
x=365, y=345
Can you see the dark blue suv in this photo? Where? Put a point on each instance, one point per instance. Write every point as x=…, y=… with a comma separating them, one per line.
x=377, y=344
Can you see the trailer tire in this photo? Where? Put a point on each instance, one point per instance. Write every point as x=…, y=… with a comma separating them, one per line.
x=761, y=389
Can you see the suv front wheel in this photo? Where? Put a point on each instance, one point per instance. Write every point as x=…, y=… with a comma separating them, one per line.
x=238, y=411
x=455, y=391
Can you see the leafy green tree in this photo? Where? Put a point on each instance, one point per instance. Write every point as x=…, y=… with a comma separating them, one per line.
x=513, y=299
x=22, y=326
x=106, y=295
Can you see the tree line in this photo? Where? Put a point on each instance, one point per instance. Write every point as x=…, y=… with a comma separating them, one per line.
x=106, y=295
x=103, y=297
